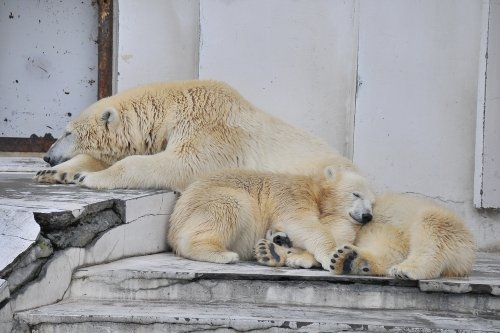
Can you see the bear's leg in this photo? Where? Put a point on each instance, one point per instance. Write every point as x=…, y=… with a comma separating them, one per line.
x=439, y=244
x=65, y=172
x=310, y=234
x=212, y=229
x=168, y=169
x=205, y=247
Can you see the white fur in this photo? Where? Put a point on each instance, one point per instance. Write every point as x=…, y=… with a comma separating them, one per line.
x=167, y=135
x=229, y=211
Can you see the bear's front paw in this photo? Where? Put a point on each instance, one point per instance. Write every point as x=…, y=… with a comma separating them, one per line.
x=269, y=254
x=346, y=260
x=79, y=178
x=53, y=176
x=84, y=179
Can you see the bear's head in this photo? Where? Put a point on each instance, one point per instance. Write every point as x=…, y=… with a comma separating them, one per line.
x=108, y=130
x=348, y=195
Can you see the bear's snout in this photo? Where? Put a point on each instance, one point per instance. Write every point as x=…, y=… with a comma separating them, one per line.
x=366, y=217
x=47, y=159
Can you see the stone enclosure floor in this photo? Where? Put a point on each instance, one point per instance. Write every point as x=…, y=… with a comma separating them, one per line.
x=20, y=197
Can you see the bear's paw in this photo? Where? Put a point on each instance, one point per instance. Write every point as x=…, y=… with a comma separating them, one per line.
x=87, y=179
x=403, y=272
x=53, y=176
x=346, y=260
x=269, y=254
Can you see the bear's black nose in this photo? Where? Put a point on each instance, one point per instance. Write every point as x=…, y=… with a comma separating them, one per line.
x=46, y=159
x=367, y=217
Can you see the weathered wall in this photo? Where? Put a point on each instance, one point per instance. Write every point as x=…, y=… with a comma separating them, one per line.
x=294, y=59
x=393, y=85
x=48, y=64
x=407, y=72
x=417, y=102
x=158, y=41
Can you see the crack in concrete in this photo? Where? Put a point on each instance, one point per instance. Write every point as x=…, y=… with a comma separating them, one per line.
x=15, y=236
x=146, y=215
x=439, y=198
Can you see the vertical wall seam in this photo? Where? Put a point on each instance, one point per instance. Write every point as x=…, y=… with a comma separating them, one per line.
x=481, y=193
x=200, y=41
x=357, y=22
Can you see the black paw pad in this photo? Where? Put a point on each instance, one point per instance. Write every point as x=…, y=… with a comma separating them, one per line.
x=282, y=241
x=274, y=253
x=347, y=268
x=76, y=176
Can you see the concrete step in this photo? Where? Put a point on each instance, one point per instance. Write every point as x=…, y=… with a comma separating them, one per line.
x=140, y=316
x=165, y=277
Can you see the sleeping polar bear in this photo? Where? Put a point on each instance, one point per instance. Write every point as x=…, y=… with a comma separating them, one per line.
x=410, y=237
x=165, y=135
x=219, y=218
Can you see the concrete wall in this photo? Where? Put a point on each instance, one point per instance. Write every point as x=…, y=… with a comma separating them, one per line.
x=291, y=58
x=417, y=102
x=406, y=71
x=158, y=41
x=48, y=64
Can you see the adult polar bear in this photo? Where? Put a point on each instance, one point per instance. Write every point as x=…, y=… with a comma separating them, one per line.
x=165, y=135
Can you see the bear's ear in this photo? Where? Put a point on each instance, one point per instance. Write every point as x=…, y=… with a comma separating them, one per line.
x=330, y=172
x=109, y=116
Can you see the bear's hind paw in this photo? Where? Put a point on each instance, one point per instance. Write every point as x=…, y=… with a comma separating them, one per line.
x=269, y=254
x=346, y=260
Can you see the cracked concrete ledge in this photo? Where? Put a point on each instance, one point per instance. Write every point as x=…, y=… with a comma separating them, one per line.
x=165, y=277
x=130, y=316
x=47, y=231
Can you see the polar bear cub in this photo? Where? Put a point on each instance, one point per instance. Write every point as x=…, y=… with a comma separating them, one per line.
x=409, y=238
x=220, y=218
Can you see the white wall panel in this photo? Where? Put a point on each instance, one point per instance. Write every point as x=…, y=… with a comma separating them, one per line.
x=415, y=115
x=418, y=63
x=158, y=40
x=290, y=58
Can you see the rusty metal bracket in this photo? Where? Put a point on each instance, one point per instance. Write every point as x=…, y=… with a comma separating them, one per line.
x=33, y=144
x=105, y=49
